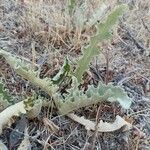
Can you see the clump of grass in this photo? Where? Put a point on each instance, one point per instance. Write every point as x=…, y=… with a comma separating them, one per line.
x=54, y=25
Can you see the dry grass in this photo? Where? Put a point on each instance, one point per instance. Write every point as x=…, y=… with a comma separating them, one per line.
x=45, y=32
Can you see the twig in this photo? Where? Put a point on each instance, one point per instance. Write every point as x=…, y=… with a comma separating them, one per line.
x=138, y=45
x=145, y=26
x=96, y=127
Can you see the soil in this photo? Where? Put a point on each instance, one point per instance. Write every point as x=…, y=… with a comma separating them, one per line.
x=124, y=61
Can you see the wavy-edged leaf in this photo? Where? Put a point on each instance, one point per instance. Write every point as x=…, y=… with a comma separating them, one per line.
x=77, y=98
x=103, y=33
x=64, y=71
x=102, y=126
x=30, y=106
x=5, y=98
x=7, y=114
x=24, y=70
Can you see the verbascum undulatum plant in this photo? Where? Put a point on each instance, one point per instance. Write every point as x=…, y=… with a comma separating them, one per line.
x=74, y=98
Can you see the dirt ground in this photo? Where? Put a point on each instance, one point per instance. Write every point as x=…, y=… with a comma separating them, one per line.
x=42, y=32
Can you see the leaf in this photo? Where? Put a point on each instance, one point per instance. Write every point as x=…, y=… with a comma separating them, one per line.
x=4, y=93
x=102, y=126
x=33, y=106
x=3, y=146
x=71, y=6
x=79, y=18
x=97, y=14
x=23, y=107
x=5, y=98
x=103, y=33
x=76, y=98
x=7, y=114
x=23, y=69
x=64, y=71
x=84, y=18
x=3, y=103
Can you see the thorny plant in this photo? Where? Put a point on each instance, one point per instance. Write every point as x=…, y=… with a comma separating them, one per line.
x=73, y=97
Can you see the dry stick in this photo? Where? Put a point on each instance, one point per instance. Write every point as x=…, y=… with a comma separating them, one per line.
x=138, y=112
x=107, y=66
x=138, y=45
x=93, y=139
x=145, y=26
x=96, y=127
